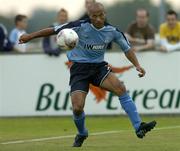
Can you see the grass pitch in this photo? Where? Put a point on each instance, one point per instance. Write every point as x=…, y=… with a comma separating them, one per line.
x=110, y=134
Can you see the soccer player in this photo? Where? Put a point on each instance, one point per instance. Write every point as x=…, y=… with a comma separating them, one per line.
x=89, y=67
x=88, y=4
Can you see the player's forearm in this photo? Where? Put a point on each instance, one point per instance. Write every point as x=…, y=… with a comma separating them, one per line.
x=132, y=57
x=42, y=33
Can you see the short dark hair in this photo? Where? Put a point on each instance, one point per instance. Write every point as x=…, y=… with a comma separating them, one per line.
x=143, y=9
x=19, y=18
x=172, y=12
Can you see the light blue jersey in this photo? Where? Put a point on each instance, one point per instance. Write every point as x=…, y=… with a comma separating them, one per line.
x=93, y=42
x=14, y=38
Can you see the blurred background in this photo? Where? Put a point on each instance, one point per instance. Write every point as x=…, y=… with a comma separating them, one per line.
x=42, y=13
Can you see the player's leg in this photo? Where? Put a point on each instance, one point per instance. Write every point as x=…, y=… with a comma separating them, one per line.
x=78, y=101
x=113, y=84
x=79, y=82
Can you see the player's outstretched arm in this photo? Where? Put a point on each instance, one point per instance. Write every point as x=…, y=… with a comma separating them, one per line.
x=41, y=33
x=133, y=59
x=124, y=44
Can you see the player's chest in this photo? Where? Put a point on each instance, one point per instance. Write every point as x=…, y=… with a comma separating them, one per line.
x=96, y=37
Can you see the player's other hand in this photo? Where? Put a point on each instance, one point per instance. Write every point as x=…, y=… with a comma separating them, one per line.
x=24, y=38
x=141, y=71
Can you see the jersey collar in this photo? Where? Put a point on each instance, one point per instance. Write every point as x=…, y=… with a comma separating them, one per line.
x=96, y=28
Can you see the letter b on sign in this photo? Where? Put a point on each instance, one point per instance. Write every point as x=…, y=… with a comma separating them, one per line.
x=44, y=99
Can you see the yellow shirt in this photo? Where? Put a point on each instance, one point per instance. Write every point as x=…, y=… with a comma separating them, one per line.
x=172, y=35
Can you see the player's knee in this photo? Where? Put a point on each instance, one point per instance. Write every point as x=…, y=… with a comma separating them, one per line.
x=77, y=109
x=77, y=104
x=120, y=89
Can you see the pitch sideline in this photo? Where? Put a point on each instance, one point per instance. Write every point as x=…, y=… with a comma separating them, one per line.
x=72, y=136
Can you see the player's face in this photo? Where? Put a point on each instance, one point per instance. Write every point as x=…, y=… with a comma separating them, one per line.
x=171, y=20
x=97, y=18
x=141, y=18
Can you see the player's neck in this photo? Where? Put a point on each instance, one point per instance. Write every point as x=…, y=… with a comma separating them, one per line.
x=96, y=28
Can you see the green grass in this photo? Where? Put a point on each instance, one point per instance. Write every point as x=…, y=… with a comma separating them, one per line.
x=12, y=129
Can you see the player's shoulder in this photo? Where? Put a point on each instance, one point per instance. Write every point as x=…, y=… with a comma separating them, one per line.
x=111, y=27
x=80, y=22
x=72, y=24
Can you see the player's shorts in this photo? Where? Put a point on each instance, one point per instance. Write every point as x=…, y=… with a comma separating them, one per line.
x=82, y=74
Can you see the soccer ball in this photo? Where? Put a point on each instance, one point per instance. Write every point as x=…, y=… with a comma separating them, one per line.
x=67, y=39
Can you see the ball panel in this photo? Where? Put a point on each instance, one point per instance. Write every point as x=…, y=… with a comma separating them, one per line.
x=67, y=39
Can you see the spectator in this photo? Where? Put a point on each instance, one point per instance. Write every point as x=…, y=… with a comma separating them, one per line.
x=140, y=33
x=21, y=25
x=49, y=43
x=5, y=44
x=88, y=4
x=170, y=33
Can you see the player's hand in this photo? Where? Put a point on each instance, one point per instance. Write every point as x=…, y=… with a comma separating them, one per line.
x=141, y=71
x=24, y=38
x=140, y=41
